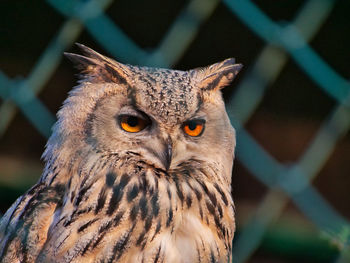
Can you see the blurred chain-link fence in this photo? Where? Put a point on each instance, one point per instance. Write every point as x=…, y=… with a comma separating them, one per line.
x=282, y=40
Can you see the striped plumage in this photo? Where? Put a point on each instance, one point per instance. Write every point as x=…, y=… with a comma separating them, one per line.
x=107, y=195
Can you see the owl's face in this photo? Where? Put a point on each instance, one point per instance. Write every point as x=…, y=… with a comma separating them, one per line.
x=166, y=118
x=166, y=121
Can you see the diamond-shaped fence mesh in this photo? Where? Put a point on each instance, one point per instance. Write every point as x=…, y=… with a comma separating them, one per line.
x=285, y=182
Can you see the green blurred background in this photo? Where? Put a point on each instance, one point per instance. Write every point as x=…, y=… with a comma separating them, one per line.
x=289, y=103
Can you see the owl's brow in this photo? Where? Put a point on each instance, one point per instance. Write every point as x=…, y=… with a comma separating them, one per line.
x=131, y=94
x=199, y=103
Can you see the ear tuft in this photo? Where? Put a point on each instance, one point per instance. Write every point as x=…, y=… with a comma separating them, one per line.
x=218, y=75
x=99, y=68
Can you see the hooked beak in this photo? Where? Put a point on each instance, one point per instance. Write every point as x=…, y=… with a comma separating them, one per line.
x=167, y=156
x=162, y=151
x=165, y=153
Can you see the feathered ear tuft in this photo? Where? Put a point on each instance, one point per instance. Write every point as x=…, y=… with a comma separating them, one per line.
x=98, y=67
x=218, y=75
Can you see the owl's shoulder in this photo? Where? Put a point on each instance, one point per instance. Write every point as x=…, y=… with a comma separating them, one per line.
x=24, y=227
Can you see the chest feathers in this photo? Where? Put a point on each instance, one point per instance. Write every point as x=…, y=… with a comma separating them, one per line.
x=137, y=215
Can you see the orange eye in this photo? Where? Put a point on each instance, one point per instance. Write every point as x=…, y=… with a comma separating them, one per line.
x=194, y=128
x=132, y=123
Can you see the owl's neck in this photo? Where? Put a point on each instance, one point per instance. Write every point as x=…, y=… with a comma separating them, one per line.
x=184, y=213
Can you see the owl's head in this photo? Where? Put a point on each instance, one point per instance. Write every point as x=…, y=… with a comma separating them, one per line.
x=164, y=117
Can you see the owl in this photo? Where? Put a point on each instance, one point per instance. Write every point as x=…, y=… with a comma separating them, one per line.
x=138, y=169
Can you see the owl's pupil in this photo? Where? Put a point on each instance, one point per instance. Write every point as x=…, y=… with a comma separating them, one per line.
x=133, y=121
x=192, y=125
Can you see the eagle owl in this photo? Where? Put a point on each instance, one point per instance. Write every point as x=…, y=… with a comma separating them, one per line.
x=138, y=169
